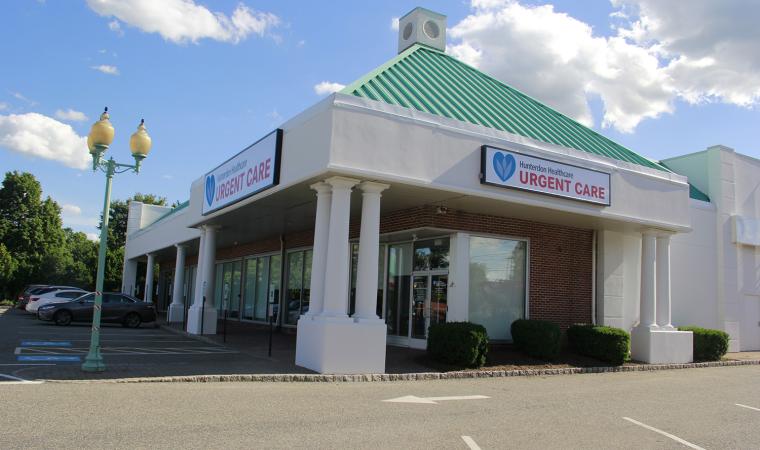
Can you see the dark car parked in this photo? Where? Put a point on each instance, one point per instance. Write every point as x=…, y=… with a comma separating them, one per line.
x=117, y=308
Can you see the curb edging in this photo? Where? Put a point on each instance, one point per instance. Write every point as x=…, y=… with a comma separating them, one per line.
x=419, y=376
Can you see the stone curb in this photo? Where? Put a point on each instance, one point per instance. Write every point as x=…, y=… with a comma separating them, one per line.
x=420, y=376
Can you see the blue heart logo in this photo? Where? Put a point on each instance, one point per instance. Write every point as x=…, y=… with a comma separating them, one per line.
x=504, y=165
x=210, y=187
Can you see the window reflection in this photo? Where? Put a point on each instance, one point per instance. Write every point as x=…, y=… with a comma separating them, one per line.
x=431, y=254
x=298, y=284
x=497, y=284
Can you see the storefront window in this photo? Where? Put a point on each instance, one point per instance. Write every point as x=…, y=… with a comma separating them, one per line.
x=497, y=284
x=432, y=254
x=227, y=289
x=380, y=270
x=275, y=271
x=262, y=280
x=397, y=299
x=298, y=283
x=256, y=288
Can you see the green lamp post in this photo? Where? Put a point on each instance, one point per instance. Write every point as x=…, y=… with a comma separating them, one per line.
x=100, y=137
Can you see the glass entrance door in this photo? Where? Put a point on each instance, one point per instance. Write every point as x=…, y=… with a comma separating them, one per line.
x=429, y=305
x=420, y=302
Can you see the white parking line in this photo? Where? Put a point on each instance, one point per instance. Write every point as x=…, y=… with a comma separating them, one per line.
x=748, y=407
x=470, y=443
x=125, y=351
x=664, y=433
x=16, y=380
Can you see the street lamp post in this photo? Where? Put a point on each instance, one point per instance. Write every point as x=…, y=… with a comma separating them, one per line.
x=100, y=137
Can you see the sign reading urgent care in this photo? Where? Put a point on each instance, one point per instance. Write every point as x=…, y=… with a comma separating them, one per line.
x=251, y=171
x=515, y=170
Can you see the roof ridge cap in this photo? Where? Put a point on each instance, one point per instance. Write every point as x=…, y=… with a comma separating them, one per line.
x=382, y=68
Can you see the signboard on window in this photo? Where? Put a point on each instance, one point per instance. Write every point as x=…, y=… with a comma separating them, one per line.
x=249, y=172
x=507, y=168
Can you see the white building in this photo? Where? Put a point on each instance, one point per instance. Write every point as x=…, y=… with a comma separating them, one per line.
x=428, y=191
x=716, y=267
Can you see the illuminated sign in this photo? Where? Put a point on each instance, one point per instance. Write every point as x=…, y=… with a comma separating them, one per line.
x=249, y=172
x=511, y=169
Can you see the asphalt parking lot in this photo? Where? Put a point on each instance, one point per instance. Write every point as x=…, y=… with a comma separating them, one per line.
x=31, y=349
x=712, y=408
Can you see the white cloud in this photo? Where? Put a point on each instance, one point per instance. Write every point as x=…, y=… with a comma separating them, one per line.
x=327, y=87
x=699, y=51
x=558, y=60
x=3, y=106
x=93, y=237
x=712, y=49
x=181, y=21
x=70, y=115
x=106, y=69
x=115, y=26
x=275, y=116
x=71, y=210
x=41, y=136
x=20, y=96
x=394, y=23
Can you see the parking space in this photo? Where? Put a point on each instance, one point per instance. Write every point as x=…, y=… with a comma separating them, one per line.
x=34, y=349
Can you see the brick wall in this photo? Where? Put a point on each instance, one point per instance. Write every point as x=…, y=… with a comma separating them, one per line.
x=561, y=263
x=560, y=277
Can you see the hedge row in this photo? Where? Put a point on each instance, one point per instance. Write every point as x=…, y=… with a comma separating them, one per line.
x=709, y=345
x=538, y=338
x=607, y=344
x=460, y=344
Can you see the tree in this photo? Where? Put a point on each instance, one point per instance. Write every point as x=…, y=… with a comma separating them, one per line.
x=81, y=262
x=7, y=268
x=30, y=230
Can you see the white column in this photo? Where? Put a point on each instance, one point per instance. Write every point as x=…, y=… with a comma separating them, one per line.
x=129, y=277
x=663, y=281
x=198, y=290
x=149, y=278
x=209, y=266
x=177, y=308
x=369, y=243
x=201, y=317
x=319, y=259
x=647, y=308
x=337, y=265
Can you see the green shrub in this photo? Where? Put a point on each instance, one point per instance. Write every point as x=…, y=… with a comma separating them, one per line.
x=709, y=344
x=461, y=344
x=607, y=344
x=537, y=338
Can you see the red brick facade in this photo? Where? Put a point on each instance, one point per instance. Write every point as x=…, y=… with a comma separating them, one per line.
x=560, y=257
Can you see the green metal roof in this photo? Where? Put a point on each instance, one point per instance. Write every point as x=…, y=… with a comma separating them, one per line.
x=694, y=193
x=431, y=81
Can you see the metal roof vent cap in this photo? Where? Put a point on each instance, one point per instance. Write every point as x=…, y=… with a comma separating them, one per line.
x=422, y=26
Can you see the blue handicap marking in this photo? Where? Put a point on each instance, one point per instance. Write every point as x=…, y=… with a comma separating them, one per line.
x=45, y=344
x=48, y=358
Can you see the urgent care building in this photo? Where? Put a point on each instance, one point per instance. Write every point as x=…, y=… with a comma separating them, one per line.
x=424, y=192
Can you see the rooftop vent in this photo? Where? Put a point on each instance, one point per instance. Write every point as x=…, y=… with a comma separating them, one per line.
x=422, y=26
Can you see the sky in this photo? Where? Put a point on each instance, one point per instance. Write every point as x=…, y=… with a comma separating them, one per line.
x=213, y=76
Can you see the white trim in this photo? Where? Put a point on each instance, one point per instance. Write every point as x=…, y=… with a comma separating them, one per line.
x=350, y=102
x=518, y=197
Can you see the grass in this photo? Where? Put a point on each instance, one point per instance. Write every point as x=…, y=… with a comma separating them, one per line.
x=6, y=302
